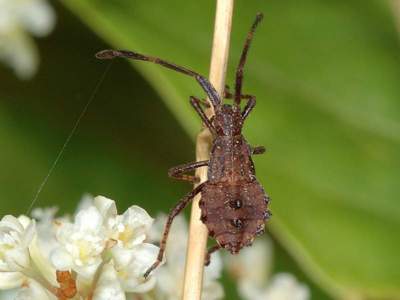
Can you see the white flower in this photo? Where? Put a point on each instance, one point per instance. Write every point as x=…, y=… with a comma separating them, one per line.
x=252, y=268
x=170, y=276
x=87, y=200
x=46, y=227
x=252, y=264
x=17, y=19
x=18, y=267
x=82, y=243
x=130, y=229
x=99, y=235
x=45, y=242
x=132, y=264
x=108, y=286
x=104, y=255
x=127, y=232
x=284, y=286
x=16, y=234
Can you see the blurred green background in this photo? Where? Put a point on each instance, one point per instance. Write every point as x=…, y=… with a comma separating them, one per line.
x=327, y=79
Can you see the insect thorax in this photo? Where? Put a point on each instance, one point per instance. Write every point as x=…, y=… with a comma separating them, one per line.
x=230, y=160
x=228, y=120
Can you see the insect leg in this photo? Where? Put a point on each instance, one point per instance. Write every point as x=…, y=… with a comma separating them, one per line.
x=177, y=172
x=251, y=103
x=257, y=150
x=196, y=105
x=229, y=95
x=239, y=70
x=173, y=213
x=204, y=83
x=227, y=92
x=205, y=103
x=209, y=252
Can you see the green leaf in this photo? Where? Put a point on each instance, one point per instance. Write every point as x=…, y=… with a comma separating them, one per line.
x=325, y=74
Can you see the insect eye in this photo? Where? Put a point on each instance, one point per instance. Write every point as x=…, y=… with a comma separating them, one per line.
x=236, y=204
x=237, y=223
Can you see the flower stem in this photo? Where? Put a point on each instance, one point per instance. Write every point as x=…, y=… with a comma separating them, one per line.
x=198, y=233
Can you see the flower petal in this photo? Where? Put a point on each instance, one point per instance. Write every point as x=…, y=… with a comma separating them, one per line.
x=89, y=220
x=61, y=259
x=105, y=206
x=42, y=262
x=14, y=243
x=131, y=275
x=37, y=17
x=33, y=291
x=283, y=286
x=10, y=280
x=108, y=287
x=18, y=51
x=11, y=223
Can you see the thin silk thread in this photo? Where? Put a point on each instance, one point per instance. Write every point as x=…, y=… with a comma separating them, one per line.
x=69, y=137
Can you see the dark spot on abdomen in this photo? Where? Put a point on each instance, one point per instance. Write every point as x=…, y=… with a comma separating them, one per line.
x=236, y=204
x=237, y=223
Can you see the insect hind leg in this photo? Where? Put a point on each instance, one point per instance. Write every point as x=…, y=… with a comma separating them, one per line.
x=210, y=251
x=173, y=213
x=177, y=172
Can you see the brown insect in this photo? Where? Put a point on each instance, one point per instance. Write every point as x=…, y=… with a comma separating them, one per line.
x=233, y=203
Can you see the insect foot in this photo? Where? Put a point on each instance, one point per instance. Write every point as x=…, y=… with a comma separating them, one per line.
x=151, y=269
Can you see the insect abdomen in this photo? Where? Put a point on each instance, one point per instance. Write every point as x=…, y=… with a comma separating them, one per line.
x=234, y=214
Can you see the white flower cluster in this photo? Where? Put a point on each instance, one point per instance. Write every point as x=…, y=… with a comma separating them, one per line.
x=18, y=18
x=99, y=255
x=252, y=268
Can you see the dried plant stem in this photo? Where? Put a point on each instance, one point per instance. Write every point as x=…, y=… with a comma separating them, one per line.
x=198, y=232
x=396, y=11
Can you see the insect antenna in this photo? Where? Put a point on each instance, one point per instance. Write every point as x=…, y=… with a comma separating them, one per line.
x=203, y=81
x=242, y=61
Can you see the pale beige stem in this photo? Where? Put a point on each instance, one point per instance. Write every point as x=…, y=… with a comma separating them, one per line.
x=396, y=11
x=198, y=232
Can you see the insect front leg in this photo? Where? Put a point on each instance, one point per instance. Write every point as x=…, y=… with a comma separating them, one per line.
x=205, y=103
x=257, y=150
x=251, y=103
x=177, y=172
x=228, y=94
x=173, y=213
x=196, y=105
x=209, y=252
